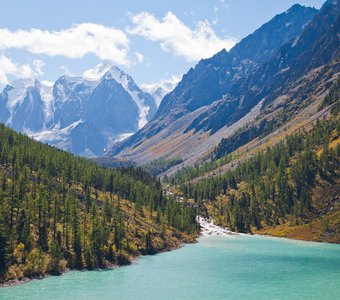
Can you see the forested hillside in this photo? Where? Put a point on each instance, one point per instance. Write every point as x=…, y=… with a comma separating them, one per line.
x=290, y=189
x=59, y=211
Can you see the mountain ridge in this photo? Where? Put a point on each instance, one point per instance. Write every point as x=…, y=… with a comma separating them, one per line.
x=192, y=135
x=100, y=106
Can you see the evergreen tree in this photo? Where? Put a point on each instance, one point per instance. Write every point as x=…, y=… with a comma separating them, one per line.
x=3, y=244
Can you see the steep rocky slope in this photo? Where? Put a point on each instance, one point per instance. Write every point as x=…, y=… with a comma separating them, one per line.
x=270, y=95
x=81, y=114
x=219, y=96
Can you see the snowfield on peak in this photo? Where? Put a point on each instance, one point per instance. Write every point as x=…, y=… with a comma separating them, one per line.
x=84, y=114
x=18, y=91
x=53, y=135
x=159, y=89
x=111, y=71
x=46, y=93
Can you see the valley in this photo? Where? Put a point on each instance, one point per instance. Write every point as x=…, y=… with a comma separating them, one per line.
x=235, y=165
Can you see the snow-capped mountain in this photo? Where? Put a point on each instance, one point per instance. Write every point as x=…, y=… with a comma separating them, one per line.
x=144, y=101
x=159, y=89
x=224, y=94
x=81, y=114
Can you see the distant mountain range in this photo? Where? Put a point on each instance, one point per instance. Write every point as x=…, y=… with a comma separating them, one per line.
x=81, y=114
x=160, y=89
x=271, y=80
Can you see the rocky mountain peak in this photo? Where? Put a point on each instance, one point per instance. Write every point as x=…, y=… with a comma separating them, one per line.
x=82, y=114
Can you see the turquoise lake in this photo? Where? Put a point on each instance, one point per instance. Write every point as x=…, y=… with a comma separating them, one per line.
x=235, y=267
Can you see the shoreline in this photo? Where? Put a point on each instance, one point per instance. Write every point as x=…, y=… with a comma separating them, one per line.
x=292, y=238
x=24, y=280
x=207, y=229
x=207, y=223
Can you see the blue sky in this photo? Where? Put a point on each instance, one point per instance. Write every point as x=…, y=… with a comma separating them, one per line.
x=151, y=40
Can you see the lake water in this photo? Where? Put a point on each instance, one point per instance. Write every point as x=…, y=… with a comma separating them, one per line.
x=235, y=267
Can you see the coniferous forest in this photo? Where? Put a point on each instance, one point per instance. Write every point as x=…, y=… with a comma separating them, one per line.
x=294, y=182
x=228, y=129
x=59, y=211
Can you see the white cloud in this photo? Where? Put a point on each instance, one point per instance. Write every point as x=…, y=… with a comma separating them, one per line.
x=65, y=70
x=8, y=67
x=167, y=84
x=159, y=89
x=139, y=57
x=38, y=66
x=24, y=71
x=97, y=72
x=107, y=43
x=47, y=83
x=174, y=36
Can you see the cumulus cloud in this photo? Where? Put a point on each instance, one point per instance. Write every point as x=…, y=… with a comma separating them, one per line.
x=8, y=67
x=159, y=89
x=167, y=84
x=106, y=43
x=174, y=36
x=97, y=72
x=38, y=66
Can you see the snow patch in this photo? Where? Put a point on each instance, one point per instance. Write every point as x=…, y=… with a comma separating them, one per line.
x=18, y=92
x=46, y=93
x=123, y=136
x=53, y=135
x=66, y=84
x=87, y=153
x=125, y=80
x=101, y=70
x=68, y=88
x=113, y=139
x=159, y=89
x=97, y=72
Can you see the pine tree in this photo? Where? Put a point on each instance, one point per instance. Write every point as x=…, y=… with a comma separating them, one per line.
x=3, y=244
x=76, y=236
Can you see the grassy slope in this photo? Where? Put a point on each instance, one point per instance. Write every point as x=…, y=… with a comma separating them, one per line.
x=324, y=226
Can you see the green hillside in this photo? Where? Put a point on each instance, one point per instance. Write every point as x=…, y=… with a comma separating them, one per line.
x=290, y=189
x=59, y=211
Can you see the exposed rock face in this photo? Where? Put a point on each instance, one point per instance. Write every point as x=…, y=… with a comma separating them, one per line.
x=224, y=93
x=78, y=114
